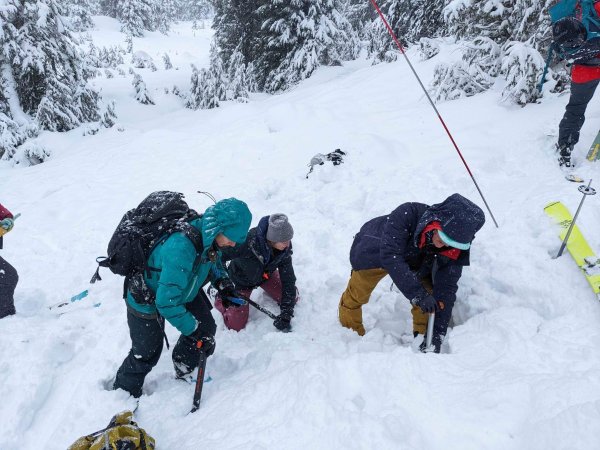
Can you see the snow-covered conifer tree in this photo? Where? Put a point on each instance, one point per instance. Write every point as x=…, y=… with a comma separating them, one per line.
x=109, y=116
x=203, y=94
x=522, y=66
x=193, y=98
x=196, y=10
x=136, y=16
x=251, y=78
x=79, y=12
x=237, y=76
x=217, y=73
x=299, y=36
x=11, y=134
x=428, y=48
x=410, y=21
x=164, y=13
x=167, y=62
x=474, y=74
x=129, y=43
x=237, y=25
x=359, y=13
x=53, y=113
x=45, y=67
x=141, y=92
x=109, y=8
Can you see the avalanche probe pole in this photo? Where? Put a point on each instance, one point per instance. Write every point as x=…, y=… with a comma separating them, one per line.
x=397, y=42
x=585, y=190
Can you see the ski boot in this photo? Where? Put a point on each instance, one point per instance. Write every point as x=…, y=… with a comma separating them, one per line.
x=564, y=155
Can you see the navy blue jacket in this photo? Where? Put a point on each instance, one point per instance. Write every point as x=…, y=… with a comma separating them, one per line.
x=392, y=242
x=255, y=257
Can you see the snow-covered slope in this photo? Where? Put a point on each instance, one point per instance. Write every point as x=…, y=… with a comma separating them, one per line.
x=522, y=368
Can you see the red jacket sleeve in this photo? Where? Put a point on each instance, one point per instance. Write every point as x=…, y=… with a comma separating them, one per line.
x=4, y=213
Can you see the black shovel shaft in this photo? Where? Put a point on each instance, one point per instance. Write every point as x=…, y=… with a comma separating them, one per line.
x=260, y=308
x=199, y=382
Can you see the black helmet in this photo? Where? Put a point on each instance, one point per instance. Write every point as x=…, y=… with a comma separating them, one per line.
x=569, y=32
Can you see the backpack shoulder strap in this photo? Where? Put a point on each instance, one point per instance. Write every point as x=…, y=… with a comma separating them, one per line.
x=193, y=235
x=190, y=231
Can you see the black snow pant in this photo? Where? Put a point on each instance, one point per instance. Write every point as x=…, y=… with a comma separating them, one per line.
x=147, y=343
x=8, y=282
x=572, y=121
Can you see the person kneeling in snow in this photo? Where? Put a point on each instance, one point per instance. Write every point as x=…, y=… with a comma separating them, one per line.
x=423, y=248
x=8, y=274
x=265, y=261
x=177, y=272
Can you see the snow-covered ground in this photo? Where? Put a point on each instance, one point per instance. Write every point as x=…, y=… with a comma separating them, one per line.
x=522, y=366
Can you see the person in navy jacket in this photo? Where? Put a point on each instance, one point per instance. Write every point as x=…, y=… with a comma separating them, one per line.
x=265, y=261
x=423, y=249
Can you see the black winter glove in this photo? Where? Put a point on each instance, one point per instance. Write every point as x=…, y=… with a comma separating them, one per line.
x=208, y=342
x=436, y=344
x=227, y=292
x=427, y=304
x=283, y=322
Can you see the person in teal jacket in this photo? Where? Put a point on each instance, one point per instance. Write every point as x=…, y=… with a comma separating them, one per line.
x=176, y=277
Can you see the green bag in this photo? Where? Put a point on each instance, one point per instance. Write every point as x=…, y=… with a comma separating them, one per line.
x=122, y=433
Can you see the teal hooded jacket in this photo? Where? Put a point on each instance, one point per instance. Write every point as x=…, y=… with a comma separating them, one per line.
x=176, y=281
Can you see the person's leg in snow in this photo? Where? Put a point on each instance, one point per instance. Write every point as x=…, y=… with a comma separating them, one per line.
x=8, y=282
x=185, y=353
x=235, y=317
x=573, y=119
x=358, y=293
x=274, y=289
x=146, y=347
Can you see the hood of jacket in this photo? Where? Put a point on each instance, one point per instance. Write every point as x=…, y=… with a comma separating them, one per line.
x=459, y=217
x=230, y=217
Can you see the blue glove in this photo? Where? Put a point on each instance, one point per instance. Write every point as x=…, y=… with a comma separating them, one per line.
x=7, y=223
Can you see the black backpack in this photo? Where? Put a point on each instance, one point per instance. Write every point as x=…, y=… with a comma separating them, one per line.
x=159, y=215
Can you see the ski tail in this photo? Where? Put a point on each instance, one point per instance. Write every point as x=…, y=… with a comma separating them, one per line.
x=594, y=151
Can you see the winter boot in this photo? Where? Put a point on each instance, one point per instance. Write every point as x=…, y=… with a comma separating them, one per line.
x=564, y=155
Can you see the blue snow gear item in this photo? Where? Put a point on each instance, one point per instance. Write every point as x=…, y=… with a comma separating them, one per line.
x=229, y=294
x=452, y=243
x=7, y=224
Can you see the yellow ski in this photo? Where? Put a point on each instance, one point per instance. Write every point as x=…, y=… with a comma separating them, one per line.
x=578, y=247
x=594, y=151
